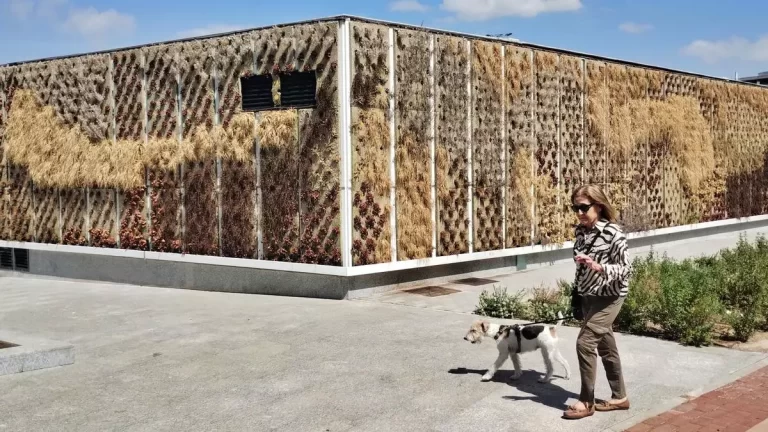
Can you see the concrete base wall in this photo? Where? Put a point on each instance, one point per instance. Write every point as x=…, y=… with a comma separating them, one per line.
x=224, y=278
x=193, y=276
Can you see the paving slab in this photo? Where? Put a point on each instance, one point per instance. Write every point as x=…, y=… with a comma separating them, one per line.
x=153, y=359
x=26, y=353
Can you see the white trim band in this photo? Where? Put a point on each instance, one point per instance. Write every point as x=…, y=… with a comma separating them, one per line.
x=360, y=270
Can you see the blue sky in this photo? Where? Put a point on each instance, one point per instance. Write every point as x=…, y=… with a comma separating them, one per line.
x=710, y=37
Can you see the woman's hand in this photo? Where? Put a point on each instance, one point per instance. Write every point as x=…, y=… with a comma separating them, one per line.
x=589, y=262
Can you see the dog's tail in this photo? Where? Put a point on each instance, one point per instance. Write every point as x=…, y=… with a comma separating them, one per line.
x=560, y=319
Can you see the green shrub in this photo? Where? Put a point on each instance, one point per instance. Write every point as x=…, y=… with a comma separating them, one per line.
x=565, y=301
x=682, y=300
x=545, y=302
x=501, y=304
x=742, y=276
x=687, y=306
x=642, y=299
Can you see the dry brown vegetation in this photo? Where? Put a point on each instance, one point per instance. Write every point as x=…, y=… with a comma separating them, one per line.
x=78, y=139
x=62, y=157
x=488, y=146
x=280, y=184
x=520, y=145
x=412, y=154
x=550, y=227
x=451, y=140
x=371, y=173
x=371, y=207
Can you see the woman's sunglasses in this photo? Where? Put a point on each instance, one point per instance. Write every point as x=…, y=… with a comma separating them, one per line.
x=583, y=208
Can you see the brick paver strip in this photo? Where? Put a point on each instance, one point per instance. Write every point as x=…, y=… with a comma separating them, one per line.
x=737, y=407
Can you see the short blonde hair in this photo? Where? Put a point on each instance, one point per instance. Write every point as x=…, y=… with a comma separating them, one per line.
x=596, y=195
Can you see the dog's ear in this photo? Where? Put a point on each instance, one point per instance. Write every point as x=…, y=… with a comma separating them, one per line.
x=485, y=325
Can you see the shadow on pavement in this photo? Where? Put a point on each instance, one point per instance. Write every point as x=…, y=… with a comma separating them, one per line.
x=547, y=394
x=502, y=376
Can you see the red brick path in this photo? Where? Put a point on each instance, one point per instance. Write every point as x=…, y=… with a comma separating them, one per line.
x=736, y=407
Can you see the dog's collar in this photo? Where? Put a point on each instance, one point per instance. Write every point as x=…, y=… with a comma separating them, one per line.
x=504, y=331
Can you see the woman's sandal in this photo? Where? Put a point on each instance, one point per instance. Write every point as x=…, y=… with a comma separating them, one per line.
x=604, y=406
x=573, y=414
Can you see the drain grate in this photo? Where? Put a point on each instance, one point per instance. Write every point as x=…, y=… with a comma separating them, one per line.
x=475, y=281
x=21, y=259
x=6, y=258
x=432, y=291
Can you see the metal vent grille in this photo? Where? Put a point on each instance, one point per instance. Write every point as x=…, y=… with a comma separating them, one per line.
x=257, y=92
x=6, y=258
x=298, y=89
x=21, y=259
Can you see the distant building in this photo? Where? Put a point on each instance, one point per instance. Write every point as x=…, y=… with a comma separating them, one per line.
x=761, y=78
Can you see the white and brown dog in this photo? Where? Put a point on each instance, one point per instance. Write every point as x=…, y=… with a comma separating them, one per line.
x=513, y=340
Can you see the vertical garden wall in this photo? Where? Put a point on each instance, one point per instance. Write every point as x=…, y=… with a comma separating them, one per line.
x=456, y=145
x=515, y=129
x=149, y=149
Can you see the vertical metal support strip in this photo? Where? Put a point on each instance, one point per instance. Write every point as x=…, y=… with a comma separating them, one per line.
x=180, y=137
x=345, y=138
x=145, y=137
x=217, y=121
x=534, y=143
x=605, y=133
x=87, y=214
x=392, y=147
x=61, y=217
x=258, y=214
x=503, y=148
x=582, y=138
x=34, y=211
x=113, y=137
x=87, y=190
x=559, y=131
x=432, y=144
x=470, y=169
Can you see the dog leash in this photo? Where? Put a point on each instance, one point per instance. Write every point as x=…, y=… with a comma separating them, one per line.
x=552, y=321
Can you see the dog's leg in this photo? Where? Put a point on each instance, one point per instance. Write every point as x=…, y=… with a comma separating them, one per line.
x=496, y=365
x=547, y=353
x=560, y=359
x=518, y=366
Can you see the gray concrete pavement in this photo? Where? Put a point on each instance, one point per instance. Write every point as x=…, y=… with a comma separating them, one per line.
x=152, y=359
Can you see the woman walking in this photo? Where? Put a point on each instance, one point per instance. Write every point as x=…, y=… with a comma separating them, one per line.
x=601, y=285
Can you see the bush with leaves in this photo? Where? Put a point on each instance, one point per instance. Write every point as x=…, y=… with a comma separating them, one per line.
x=680, y=300
x=501, y=304
x=688, y=305
x=545, y=303
x=635, y=314
x=742, y=276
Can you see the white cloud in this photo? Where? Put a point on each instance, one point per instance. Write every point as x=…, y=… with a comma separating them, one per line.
x=90, y=22
x=631, y=27
x=49, y=8
x=26, y=9
x=87, y=22
x=735, y=48
x=21, y=9
x=408, y=6
x=481, y=10
x=209, y=30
